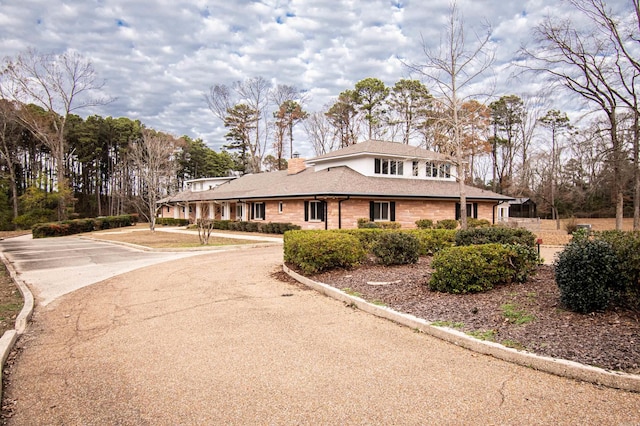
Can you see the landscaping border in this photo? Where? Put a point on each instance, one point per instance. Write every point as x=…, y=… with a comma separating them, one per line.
x=558, y=367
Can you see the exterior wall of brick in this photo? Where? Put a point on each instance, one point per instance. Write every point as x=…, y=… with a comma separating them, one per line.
x=343, y=214
x=486, y=211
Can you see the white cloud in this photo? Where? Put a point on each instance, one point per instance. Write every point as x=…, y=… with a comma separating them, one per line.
x=159, y=58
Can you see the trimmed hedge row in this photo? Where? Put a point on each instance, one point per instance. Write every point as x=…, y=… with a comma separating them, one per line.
x=78, y=226
x=170, y=221
x=477, y=268
x=266, y=228
x=430, y=240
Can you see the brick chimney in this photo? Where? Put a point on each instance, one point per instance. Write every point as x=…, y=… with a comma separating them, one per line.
x=295, y=165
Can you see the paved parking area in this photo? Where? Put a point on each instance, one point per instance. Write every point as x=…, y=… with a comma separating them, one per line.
x=53, y=267
x=215, y=339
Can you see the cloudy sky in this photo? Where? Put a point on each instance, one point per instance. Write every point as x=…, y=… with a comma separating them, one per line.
x=159, y=58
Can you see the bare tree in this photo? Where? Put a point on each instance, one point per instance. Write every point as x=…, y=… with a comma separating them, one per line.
x=623, y=35
x=205, y=224
x=452, y=68
x=219, y=100
x=256, y=94
x=321, y=133
x=556, y=122
x=152, y=157
x=59, y=84
x=588, y=64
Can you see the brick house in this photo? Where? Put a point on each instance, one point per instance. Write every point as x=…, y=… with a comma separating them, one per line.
x=381, y=181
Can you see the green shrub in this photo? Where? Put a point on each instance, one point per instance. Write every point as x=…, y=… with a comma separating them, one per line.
x=424, y=223
x=170, y=221
x=586, y=272
x=626, y=246
x=433, y=240
x=496, y=234
x=111, y=222
x=389, y=225
x=221, y=224
x=447, y=224
x=54, y=229
x=77, y=226
x=317, y=251
x=367, y=236
x=396, y=248
x=477, y=223
x=276, y=227
x=470, y=269
x=366, y=224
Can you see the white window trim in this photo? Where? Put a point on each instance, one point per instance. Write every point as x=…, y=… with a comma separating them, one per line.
x=255, y=211
x=387, y=165
x=314, y=207
x=387, y=208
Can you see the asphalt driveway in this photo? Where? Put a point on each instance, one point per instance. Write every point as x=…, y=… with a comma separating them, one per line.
x=215, y=339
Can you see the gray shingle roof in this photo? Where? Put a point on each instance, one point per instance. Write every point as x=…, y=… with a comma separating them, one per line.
x=376, y=147
x=335, y=181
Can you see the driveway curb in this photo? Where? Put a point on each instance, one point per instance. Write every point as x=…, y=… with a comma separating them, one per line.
x=558, y=367
x=203, y=249
x=9, y=337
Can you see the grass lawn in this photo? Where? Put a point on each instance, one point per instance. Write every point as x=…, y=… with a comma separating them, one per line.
x=159, y=239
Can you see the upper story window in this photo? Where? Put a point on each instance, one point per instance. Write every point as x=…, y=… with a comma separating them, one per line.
x=383, y=166
x=415, y=168
x=438, y=170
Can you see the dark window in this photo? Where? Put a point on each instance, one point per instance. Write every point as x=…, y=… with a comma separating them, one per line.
x=314, y=211
x=258, y=211
x=382, y=211
x=472, y=210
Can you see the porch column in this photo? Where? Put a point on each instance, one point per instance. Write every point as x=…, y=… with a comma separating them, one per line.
x=176, y=211
x=211, y=211
x=198, y=211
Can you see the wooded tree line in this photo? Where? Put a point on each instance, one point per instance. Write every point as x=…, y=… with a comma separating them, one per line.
x=55, y=164
x=113, y=166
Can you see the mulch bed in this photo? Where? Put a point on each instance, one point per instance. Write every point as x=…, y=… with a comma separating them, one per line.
x=534, y=319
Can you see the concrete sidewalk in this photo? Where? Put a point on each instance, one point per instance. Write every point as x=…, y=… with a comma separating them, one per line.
x=214, y=339
x=218, y=233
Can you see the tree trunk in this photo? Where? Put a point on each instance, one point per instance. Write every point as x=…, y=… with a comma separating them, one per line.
x=636, y=172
